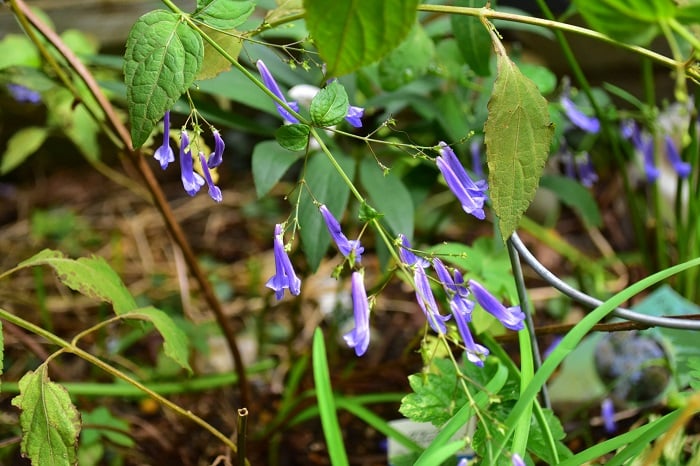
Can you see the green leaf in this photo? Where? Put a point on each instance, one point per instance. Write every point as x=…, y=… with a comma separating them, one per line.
x=293, y=137
x=50, y=423
x=436, y=395
x=91, y=277
x=329, y=106
x=473, y=38
x=21, y=145
x=269, y=163
x=223, y=14
x=537, y=443
x=350, y=34
x=328, y=188
x=326, y=402
x=688, y=13
x=408, y=61
x=18, y=50
x=175, y=344
x=213, y=62
x=390, y=196
x=634, y=21
x=163, y=56
x=2, y=354
x=573, y=194
x=518, y=135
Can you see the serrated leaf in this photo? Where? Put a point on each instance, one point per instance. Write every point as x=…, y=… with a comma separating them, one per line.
x=175, y=342
x=329, y=106
x=518, y=135
x=409, y=61
x=91, y=277
x=537, y=444
x=436, y=395
x=270, y=162
x=573, y=194
x=163, y=56
x=633, y=21
x=350, y=34
x=328, y=188
x=388, y=194
x=21, y=145
x=223, y=14
x=50, y=423
x=213, y=62
x=293, y=137
x=473, y=39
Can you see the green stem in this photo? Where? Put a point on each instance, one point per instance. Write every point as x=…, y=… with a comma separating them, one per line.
x=70, y=348
x=557, y=26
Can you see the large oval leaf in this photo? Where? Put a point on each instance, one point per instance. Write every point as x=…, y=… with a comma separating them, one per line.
x=163, y=56
x=350, y=34
x=518, y=134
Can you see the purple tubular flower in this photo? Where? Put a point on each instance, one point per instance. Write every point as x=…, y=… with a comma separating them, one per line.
x=23, y=94
x=681, y=167
x=426, y=301
x=164, y=154
x=271, y=84
x=217, y=156
x=607, y=411
x=578, y=118
x=407, y=256
x=586, y=172
x=191, y=181
x=346, y=247
x=461, y=310
x=214, y=191
x=517, y=460
x=354, y=116
x=470, y=194
x=358, y=337
x=511, y=317
x=284, y=272
x=644, y=144
x=475, y=150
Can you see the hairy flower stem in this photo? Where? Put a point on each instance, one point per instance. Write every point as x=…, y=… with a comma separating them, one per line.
x=154, y=188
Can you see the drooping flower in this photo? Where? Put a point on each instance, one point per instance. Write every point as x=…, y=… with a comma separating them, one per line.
x=164, y=154
x=681, y=167
x=511, y=317
x=191, y=181
x=217, y=156
x=461, y=308
x=470, y=194
x=475, y=150
x=214, y=191
x=644, y=144
x=284, y=272
x=354, y=116
x=426, y=301
x=272, y=85
x=407, y=256
x=23, y=94
x=517, y=460
x=607, y=412
x=586, y=172
x=578, y=118
x=347, y=247
x=358, y=337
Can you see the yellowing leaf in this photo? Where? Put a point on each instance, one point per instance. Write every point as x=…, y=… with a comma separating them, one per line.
x=518, y=134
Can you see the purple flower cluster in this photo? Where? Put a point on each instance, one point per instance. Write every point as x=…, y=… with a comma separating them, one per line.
x=353, y=116
x=458, y=293
x=23, y=94
x=284, y=277
x=587, y=123
x=643, y=143
x=580, y=167
x=191, y=180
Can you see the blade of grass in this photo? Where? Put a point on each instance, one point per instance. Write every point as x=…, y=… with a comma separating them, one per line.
x=326, y=402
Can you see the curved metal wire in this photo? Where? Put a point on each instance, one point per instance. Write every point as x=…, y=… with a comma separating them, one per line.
x=590, y=301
